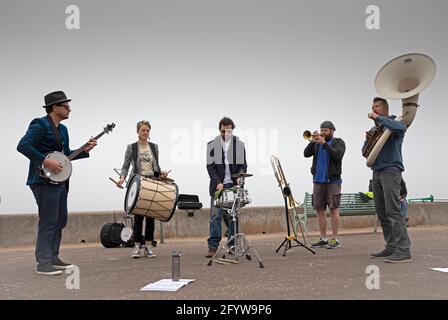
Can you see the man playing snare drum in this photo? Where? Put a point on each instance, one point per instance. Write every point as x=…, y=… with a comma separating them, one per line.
x=226, y=156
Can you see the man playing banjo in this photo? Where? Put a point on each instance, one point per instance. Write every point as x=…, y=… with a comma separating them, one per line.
x=45, y=135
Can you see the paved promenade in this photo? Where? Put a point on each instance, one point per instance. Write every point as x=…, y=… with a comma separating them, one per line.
x=329, y=274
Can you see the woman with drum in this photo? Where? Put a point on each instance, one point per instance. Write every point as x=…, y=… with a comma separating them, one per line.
x=144, y=157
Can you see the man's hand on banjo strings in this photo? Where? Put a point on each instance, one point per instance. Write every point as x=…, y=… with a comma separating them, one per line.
x=53, y=165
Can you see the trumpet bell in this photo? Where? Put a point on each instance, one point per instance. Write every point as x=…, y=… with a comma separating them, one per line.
x=405, y=76
x=307, y=135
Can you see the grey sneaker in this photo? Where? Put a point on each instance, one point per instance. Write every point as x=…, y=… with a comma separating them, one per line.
x=48, y=270
x=381, y=255
x=321, y=243
x=398, y=258
x=149, y=253
x=60, y=265
x=136, y=253
x=333, y=244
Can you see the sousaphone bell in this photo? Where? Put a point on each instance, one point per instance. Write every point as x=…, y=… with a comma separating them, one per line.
x=402, y=78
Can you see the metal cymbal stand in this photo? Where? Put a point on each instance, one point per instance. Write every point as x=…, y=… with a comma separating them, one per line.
x=237, y=245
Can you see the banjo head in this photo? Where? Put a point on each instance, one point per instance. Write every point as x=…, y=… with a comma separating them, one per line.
x=66, y=172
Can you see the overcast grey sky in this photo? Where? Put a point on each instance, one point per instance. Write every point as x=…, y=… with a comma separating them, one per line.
x=276, y=68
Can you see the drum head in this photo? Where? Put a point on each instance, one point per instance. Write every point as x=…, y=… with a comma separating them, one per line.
x=126, y=234
x=132, y=194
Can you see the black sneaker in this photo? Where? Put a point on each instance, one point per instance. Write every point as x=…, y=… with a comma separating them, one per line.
x=48, y=270
x=60, y=265
x=321, y=243
x=399, y=258
x=381, y=255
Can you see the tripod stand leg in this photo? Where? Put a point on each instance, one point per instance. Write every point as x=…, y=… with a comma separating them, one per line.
x=226, y=247
x=281, y=245
x=306, y=247
x=287, y=243
x=250, y=248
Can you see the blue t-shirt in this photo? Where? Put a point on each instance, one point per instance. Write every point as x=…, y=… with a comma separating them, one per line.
x=323, y=158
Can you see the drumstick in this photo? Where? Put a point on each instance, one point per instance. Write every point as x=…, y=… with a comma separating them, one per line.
x=116, y=183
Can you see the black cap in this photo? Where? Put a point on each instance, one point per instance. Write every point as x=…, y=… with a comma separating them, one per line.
x=328, y=124
x=55, y=98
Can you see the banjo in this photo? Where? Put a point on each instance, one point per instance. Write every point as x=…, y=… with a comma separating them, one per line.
x=65, y=161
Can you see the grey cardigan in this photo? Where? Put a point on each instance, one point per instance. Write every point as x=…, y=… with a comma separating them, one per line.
x=129, y=158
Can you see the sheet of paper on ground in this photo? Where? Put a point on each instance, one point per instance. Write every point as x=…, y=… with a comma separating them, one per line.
x=166, y=285
x=440, y=269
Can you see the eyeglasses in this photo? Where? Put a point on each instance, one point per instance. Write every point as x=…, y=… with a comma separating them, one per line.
x=67, y=107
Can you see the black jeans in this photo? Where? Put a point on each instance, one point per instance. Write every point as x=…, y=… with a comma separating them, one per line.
x=138, y=229
x=52, y=203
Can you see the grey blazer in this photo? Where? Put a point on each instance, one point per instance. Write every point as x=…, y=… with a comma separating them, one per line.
x=129, y=158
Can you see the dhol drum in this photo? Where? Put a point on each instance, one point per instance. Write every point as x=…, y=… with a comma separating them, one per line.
x=151, y=197
x=228, y=196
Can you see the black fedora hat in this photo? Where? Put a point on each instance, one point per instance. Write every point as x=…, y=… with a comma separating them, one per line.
x=55, y=98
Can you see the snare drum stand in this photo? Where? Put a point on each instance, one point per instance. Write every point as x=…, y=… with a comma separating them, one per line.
x=237, y=245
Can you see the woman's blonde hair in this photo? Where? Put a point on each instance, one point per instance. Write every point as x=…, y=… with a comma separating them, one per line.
x=143, y=123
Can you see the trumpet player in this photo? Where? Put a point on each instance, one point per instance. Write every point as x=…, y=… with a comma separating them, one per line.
x=327, y=152
x=386, y=183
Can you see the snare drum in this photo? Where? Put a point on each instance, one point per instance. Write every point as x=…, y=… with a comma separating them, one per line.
x=245, y=198
x=151, y=197
x=228, y=197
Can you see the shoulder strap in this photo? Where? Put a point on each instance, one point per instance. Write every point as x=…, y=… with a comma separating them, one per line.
x=134, y=157
x=56, y=132
x=234, y=150
x=154, y=151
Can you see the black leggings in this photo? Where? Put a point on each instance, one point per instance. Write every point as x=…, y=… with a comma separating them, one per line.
x=138, y=229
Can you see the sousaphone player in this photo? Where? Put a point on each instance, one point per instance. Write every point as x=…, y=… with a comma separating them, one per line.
x=402, y=78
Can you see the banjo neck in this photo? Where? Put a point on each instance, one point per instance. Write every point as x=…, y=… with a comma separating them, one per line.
x=65, y=161
x=77, y=152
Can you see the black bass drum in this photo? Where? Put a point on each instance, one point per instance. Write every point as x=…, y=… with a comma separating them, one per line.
x=116, y=234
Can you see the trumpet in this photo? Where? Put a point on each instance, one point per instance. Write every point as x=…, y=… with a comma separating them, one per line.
x=307, y=135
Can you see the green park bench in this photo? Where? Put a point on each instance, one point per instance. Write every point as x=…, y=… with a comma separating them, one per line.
x=351, y=205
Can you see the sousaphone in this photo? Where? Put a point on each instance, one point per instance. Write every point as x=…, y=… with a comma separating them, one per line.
x=402, y=78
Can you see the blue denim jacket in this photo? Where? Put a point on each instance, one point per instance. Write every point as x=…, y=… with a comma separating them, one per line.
x=40, y=140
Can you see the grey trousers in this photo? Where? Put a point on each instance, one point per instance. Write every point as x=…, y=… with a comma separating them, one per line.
x=386, y=194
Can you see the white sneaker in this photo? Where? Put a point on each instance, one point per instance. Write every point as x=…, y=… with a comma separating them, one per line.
x=136, y=253
x=149, y=253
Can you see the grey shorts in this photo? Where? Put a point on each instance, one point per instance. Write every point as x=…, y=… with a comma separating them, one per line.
x=326, y=194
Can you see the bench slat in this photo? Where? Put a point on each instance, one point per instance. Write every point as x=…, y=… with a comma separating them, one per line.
x=351, y=204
